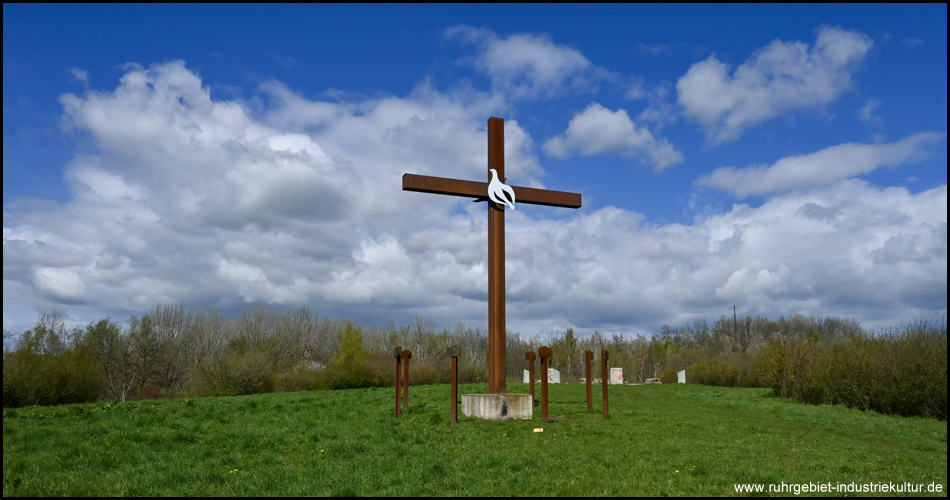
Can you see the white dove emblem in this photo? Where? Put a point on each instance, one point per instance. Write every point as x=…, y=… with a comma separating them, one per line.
x=497, y=191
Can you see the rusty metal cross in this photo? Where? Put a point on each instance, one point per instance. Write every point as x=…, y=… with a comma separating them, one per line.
x=496, y=236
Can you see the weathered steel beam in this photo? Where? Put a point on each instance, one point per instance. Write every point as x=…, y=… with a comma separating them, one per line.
x=497, y=382
x=479, y=191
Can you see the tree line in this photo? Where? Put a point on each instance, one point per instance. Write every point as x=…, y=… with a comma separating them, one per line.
x=173, y=352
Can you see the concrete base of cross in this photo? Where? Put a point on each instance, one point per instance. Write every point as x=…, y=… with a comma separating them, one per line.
x=498, y=406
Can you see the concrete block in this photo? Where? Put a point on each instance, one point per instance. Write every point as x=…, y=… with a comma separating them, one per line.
x=498, y=406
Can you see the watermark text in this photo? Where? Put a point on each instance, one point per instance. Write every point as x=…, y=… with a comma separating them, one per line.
x=829, y=487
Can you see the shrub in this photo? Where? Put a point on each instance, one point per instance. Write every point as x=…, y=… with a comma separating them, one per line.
x=902, y=374
x=357, y=374
x=233, y=374
x=741, y=370
x=30, y=378
x=299, y=377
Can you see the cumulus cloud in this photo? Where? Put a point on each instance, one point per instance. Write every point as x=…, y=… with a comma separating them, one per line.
x=837, y=248
x=598, y=130
x=189, y=199
x=528, y=66
x=185, y=199
x=781, y=77
x=819, y=168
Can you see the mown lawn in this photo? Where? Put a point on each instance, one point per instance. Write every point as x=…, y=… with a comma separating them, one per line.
x=660, y=440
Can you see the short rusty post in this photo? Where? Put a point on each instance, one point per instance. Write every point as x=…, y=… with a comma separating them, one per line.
x=396, y=354
x=530, y=358
x=588, y=360
x=544, y=352
x=406, y=356
x=604, y=356
x=453, y=352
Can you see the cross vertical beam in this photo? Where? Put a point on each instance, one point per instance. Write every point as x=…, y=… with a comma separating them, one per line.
x=496, y=264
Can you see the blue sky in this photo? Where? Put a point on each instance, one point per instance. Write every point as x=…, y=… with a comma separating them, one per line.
x=783, y=159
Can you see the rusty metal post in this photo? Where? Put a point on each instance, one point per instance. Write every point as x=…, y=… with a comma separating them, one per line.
x=496, y=264
x=530, y=357
x=544, y=352
x=453, y=351
x=396, y=354
x=588, y=360
x=406, y=356
x=604, y=356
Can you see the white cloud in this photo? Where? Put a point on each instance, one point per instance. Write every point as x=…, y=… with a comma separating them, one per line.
x=781, y=77
x=820, y=168
x=195, y=201
x=598, y=130
x=927, y=244
x=60, y=284
x=528, y=66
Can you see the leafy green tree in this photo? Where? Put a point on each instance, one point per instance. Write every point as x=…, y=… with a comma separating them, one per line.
x=349, y=350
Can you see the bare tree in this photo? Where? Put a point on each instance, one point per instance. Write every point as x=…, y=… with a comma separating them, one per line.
x=111, y=349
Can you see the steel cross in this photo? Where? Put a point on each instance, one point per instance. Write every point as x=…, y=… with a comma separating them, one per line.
x=496, y=236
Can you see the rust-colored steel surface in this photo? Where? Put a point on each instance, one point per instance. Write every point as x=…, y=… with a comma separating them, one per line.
x=604, y=355
x=454, y=352
x=588, y=359
x=496, y=264
x=406, y=356
x=479, y=191
x=530, y=357
x=396, y=354
x=496, y=236
x=544, y=352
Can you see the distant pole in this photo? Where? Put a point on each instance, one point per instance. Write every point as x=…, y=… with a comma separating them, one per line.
x=603, y=381
x=588, y=359
x=396, y=353
x=544, y=352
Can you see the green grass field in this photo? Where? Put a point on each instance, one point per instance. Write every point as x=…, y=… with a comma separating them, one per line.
x=660, y=440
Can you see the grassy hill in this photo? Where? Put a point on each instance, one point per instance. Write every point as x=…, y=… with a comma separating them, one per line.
x=659, y=440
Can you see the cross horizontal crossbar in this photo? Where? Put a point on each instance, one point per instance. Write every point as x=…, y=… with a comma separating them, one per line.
x=479, y=190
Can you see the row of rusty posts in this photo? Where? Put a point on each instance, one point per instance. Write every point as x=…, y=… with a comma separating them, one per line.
x=544, y=352
x=589, y=359
x=402, y=365
x=402, y=378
